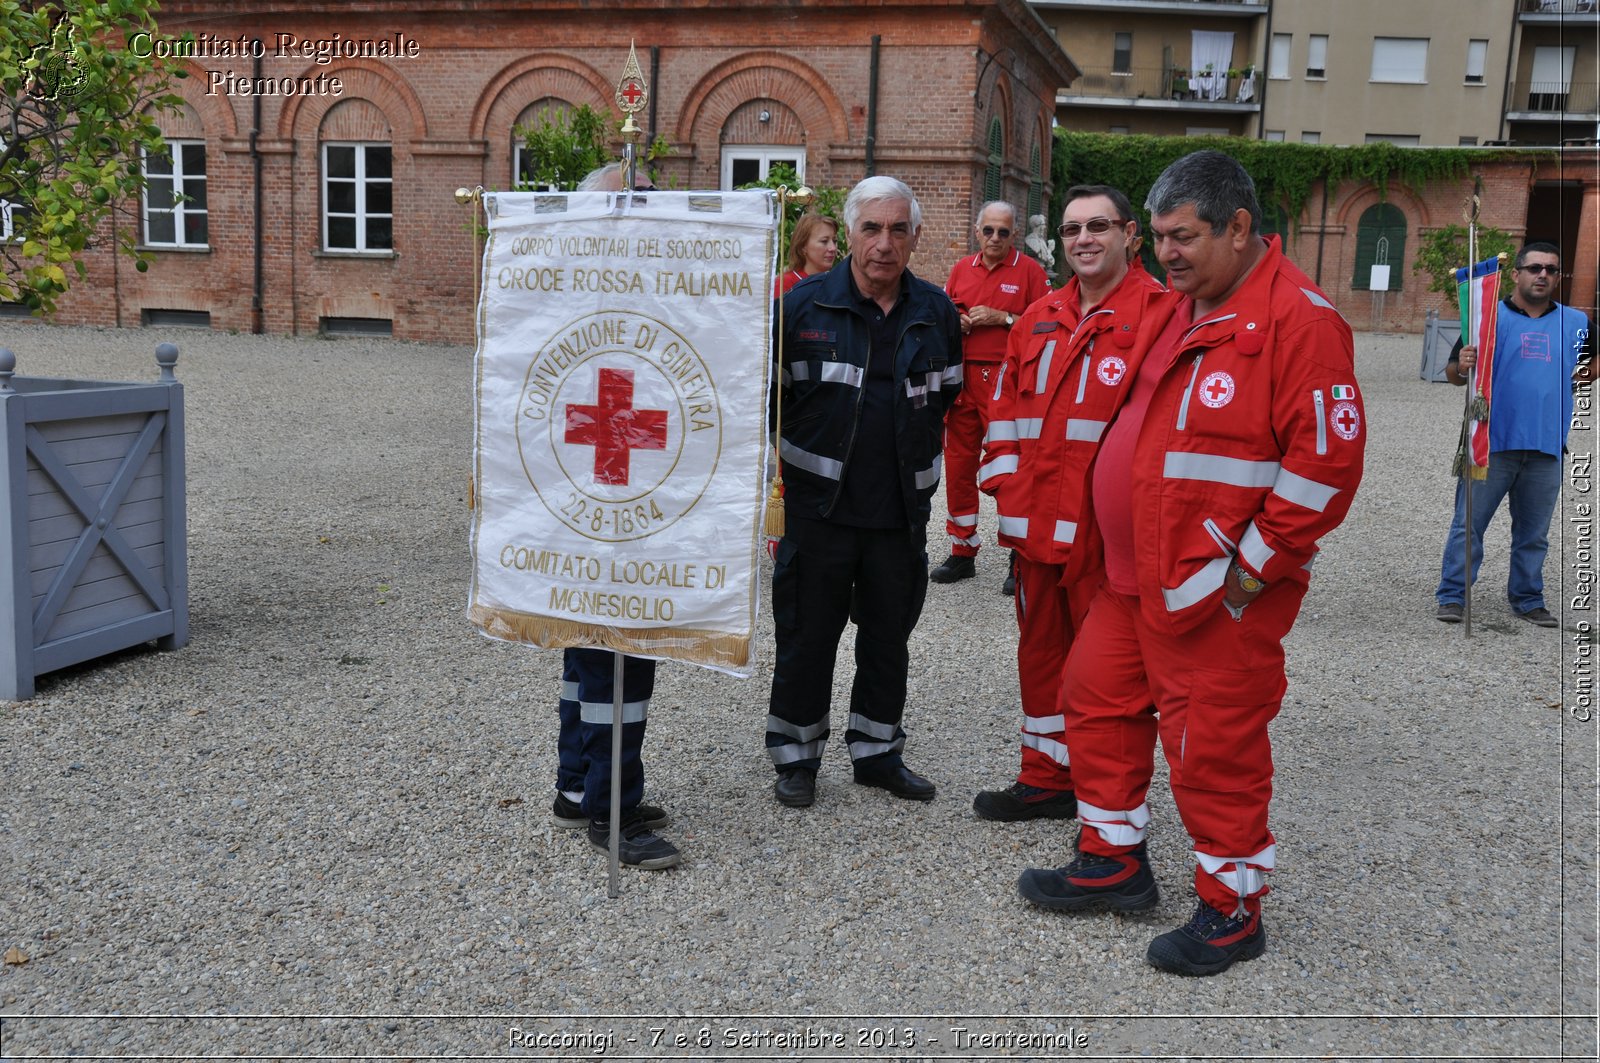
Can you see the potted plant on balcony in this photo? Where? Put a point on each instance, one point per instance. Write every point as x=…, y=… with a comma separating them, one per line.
x=1180, y=82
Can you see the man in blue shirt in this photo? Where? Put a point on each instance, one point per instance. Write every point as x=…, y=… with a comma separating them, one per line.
x=1542, y=349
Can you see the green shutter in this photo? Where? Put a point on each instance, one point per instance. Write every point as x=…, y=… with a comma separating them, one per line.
x=997, y=154
x=1035, y=185
x=1378, y=221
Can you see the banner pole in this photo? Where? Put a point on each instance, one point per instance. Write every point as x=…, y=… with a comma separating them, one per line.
x=613, y=888
x=1474, y=312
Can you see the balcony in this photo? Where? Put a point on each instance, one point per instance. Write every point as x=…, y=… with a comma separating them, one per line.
x=1537, y=11
x=1207, y=8
x=1553, y=101
x=1164, y=88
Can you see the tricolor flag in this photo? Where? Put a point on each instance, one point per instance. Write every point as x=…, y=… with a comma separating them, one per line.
x=1477, y=289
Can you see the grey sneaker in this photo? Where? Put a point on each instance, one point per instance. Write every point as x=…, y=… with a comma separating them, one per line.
x=1539, y=616
x=1450, y=612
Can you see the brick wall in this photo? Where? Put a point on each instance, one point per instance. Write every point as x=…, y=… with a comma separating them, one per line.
x=449, y=109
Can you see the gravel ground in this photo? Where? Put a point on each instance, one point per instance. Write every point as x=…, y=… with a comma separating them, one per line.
x=322, y=828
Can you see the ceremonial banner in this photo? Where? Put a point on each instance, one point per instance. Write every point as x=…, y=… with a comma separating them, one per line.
x=1477, y=292
x=622, y=373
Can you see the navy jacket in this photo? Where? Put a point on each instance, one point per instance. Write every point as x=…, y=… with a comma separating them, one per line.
x=823, y=369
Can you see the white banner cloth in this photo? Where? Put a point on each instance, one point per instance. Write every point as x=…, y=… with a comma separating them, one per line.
x=620, y=452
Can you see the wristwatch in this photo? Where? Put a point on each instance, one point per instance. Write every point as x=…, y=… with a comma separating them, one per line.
x=1010, y=321
x=1247, y=583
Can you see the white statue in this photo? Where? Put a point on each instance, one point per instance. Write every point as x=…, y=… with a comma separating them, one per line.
x=1042, y=249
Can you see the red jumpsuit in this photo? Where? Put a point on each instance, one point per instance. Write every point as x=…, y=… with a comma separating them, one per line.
x=1063, y=379
x=1011, y=287
x=1249, y=449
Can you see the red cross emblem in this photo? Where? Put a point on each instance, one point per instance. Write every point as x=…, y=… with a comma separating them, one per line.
x=1217, y=390
x=632, y=92
x=1110, y=370
x=1346, y=420
x=614, y=428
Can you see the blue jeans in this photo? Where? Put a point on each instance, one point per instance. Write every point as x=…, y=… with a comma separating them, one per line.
x=1532, y=481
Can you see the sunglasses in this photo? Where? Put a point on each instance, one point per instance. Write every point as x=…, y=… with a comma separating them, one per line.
x=1538, y=268
x=1096, y=227
x=990, y=230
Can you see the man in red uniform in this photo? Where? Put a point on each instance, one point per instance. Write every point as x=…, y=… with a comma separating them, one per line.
x=989, y=289
x=1069, y=365
x=1238, y=448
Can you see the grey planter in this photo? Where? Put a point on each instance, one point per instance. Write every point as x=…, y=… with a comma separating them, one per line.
x=93, y=549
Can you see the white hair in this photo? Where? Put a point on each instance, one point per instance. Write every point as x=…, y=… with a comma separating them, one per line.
x=1002, y=205
x=876, y=189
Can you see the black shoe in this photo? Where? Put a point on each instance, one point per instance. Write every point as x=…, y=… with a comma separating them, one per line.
x=1539, y=616
x=1450, y=612
x=796, y=787
x=1209, y=943
x=898, y=780
x=955, y=567
x=1020, y=801
x=569, y=814
x=1009, y=587
x=1114, y=883
x=638, y=846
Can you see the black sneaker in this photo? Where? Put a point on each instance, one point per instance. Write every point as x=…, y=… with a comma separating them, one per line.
x=638, y=846
x=1209, y=942
x=1009, y=587
x=569, y=814
x=1020, y=801
x=955, y=567
x=1114, y=883
x=1450, y=612
x=1539, y=616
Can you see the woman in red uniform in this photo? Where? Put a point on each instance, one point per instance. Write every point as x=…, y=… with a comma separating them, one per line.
x=812, y=249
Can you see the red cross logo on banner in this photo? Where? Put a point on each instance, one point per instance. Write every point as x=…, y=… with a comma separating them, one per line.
x=1346, y=420
x=1217, y=390
x=614, y=428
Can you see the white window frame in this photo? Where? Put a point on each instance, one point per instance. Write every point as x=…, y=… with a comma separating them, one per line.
x=1317, y=57
x=183, y=207
x=1278, y=56
x=1310, y=136
x=766, y=155
x=517, y=184
x=1399, y=60
x=1477, y=61
x=361, y=215
x=1275, y=135
x=1119, y=53
x=6, y=233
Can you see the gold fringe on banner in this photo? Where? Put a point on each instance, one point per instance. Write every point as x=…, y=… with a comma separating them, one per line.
x=774, y=518
x=716, y=648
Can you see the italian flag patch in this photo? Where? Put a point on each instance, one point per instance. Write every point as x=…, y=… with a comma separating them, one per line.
x=1344, y=391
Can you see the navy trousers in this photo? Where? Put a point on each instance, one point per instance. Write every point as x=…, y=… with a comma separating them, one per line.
x=584, y=747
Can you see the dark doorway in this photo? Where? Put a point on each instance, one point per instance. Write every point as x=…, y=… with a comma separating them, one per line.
x=1554, y=208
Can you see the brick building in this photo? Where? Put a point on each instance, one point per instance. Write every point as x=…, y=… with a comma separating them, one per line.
x=320, y=143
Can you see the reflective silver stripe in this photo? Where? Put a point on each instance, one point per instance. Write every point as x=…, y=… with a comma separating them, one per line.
x=1043, y=377
x=1066, y=531
x=1254, y=549
x=1016, y=527
x=1225, y=544
x=569, y=690
x=973, y=540
x=779, y=726
x=999, y=380
x=814, y=463
x=799, y=371
x=1318, y=300
x=1001, y=432
x=863, y=750
x=967, y=520
x=1197, y=586
x=598, y=713
x=842, y=373
x=1246, y=874
x=1029, y=427
x=1083, y=380
x=788, y=754
x=931, y=380
x=914, y=390
x=1125, y=827
x=950, y=377
x=788, y=378
x=1322, y=421
x=1084, y=430
x=1186, y=465
x=871, y=728
x=1188, y=391
x=1001, y=466
x=929, y=477
x=1312, y=494
x=1056, y=751
x=1044, y=725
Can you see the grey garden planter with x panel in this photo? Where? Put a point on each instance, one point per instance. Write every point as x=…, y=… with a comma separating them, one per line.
x=93, y=551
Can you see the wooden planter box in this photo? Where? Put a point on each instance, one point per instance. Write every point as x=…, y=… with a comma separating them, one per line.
x=93, y=549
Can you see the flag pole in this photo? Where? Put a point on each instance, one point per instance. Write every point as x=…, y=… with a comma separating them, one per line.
x=1474, y=312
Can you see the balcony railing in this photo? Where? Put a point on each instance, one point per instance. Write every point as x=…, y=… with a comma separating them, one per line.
x=1165, y=84
x=1555, y=98
x=1557, y=7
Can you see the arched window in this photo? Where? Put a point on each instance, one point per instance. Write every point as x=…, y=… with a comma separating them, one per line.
x=1035, y=184
x=1380, y=237
x=550, y=109
x=997, y=155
